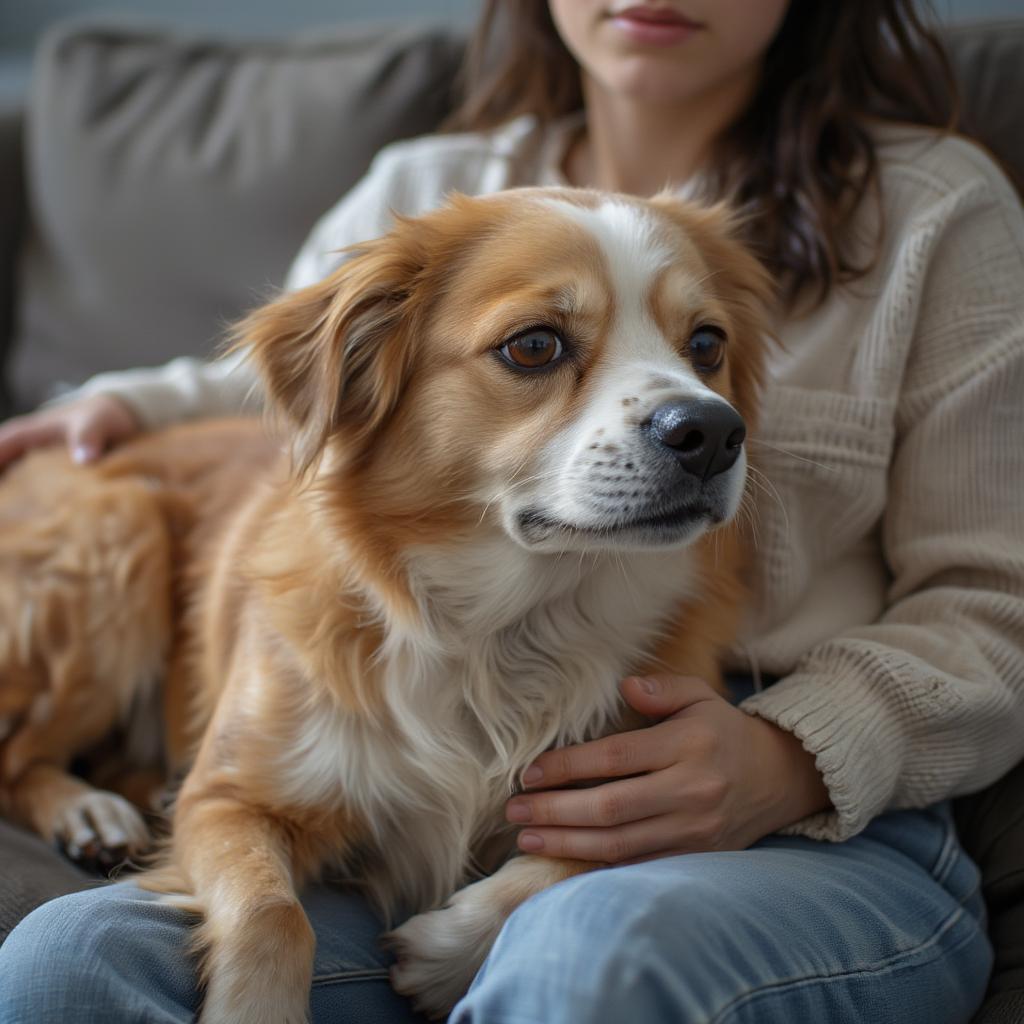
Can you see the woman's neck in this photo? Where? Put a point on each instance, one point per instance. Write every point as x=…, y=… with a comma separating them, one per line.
x=640, y=147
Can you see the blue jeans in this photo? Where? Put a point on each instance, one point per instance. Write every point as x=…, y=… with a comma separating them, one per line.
x=888, y=926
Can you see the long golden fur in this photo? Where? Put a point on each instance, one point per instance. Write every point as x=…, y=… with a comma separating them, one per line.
x=357, y=643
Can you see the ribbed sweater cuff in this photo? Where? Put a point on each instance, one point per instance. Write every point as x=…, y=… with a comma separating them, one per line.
x=854, y=735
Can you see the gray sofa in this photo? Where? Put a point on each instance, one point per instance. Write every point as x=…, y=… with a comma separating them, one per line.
x=157, y=185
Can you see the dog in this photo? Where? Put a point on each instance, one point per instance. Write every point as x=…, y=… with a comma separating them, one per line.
x=513, y=460
x=98, y=569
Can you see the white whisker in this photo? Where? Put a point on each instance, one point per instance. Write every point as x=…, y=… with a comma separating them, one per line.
x=793, y=455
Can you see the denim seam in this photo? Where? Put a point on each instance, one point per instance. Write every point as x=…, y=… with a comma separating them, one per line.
x=946, y=860
x=882, y=966
x=362, y=974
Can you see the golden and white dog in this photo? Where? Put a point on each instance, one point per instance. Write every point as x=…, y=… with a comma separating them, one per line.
x=517, y=450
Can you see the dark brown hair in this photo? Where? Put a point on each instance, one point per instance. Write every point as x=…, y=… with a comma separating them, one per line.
x=800, y=160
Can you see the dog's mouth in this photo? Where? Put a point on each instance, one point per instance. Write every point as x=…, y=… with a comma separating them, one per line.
x=663, y=527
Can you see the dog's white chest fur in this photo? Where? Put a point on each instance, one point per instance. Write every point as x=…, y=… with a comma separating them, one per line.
x=519, y=653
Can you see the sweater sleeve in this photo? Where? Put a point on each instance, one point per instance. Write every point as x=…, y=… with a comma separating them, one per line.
x=183, y=389
x=189, y=388
x=928, y=702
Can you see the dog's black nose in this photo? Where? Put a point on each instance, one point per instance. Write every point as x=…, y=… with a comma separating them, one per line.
x=705, y=437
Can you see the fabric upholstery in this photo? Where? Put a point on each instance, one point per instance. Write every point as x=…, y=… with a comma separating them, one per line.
x=991, y=825
x=988, y=61
x=11, y=217
x=30, y=874
x=171, y=179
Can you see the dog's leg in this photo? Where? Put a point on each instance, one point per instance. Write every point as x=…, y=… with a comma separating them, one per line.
x=96, y=828
x=240, y=867
x=439, y=952
x=143, y=787
x=85, y=591
x=92, y=826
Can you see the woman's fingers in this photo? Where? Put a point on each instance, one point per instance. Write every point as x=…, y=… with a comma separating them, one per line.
x=626, y=753
x=87, y=426
x=638, y=840
x=613, y=803
x=98, y=423
x=86, y=438
x=19, y=435
x=612, y=757
x=659, y=697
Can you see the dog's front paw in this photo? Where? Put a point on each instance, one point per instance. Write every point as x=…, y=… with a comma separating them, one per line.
x=439, y=952
x=100, y=830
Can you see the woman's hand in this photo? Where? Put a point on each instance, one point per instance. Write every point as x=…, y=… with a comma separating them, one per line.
x=707, y=777
x=88, y=427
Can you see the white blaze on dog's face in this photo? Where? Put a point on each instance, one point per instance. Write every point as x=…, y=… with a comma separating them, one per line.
x=654, y=454
x=576, y=367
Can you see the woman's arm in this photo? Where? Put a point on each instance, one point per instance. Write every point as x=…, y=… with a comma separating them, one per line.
x=924, y=703
x=188, y=388
x=928, y=702
x=112, y=407
x=183, y=389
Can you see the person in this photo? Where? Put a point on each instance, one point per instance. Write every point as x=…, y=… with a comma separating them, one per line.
x=889, y=589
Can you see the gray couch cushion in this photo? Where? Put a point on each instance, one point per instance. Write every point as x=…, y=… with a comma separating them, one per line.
x=32, y=873
x=991, y=824
x=988, y=61
x=11, y=217
x=172, y=179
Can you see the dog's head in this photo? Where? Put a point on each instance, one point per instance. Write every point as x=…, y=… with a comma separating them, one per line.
x=576, y=368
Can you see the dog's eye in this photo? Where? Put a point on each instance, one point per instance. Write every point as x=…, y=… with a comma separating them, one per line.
x=707, y=348
x=532, y=349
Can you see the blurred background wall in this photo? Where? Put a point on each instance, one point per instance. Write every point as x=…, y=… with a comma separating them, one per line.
x=22, y=21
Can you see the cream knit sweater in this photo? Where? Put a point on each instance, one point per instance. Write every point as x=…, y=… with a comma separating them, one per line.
x=890, y=546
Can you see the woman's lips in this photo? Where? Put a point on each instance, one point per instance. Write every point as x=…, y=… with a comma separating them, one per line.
x=654, y=26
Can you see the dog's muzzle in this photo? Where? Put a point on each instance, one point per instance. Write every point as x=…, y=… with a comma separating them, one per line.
x=705, y=437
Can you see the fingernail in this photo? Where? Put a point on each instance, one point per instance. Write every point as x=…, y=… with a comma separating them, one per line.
x=518, y=810
x=533, y=774
x=530, y=841
x=647, y=685
x=83, y=453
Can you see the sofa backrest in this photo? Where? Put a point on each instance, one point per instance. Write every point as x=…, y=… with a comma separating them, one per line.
x=12, y=215
x=171, y=179
x=988, y=61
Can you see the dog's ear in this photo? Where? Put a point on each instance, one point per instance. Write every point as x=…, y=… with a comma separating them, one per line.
x=334, y=357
